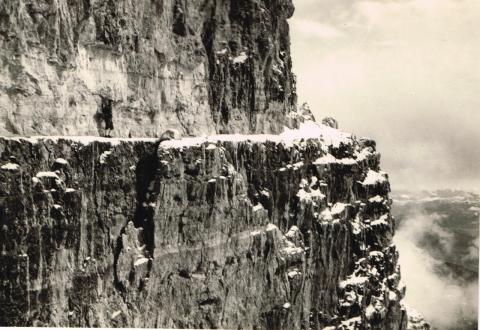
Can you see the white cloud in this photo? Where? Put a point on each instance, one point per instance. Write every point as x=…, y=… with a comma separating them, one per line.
x=312, y=29
x=403, y=72
x=426, y=288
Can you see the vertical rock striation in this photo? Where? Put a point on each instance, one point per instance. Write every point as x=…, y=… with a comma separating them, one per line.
x=282, y=231
x=256, y=231
x=197, y=66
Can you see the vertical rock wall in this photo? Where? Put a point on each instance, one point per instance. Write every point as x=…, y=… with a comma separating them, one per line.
x=260, y=231
x=200, y=66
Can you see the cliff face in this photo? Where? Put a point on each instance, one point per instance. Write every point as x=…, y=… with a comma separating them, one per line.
x=282, y=231
x=200, y=66
x=286, y=231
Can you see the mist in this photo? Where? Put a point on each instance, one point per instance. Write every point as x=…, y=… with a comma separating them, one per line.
x=439, y=298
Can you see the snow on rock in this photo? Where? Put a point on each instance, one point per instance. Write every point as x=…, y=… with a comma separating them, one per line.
x=256, y=232
x=326, y=215
x=258, y=207
x=81, y=140
x=383, y=220
x=291, y=248
x=338, y=208
x=352, y=323
x=240, y=59
x=376, y=254
x=392, y=296
x=61, y=161
x=309, y=196
x=374, y=178
x=326, y=159
x=116, y=314
x=10, y=167
x=376, y=199
x=265, y=193
x=313, y=130
x=292, y=232
x=293, y=273
x=369, y=311
x=104, y=156
x=47, y=175
x=353, y=280
x=307, y=130
x=140, y=261
x=271, y=227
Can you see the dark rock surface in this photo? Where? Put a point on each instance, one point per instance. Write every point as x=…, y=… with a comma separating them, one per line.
x=197, y=66
x=288, y=231
x=224, y=232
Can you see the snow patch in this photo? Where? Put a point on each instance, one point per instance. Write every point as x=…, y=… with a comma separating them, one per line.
x=307, y=130
x=292, y=249
x=293, y=273
x=383, y=220
x=10, y=167
x=240, y=59
x=104, y=156
x=353, y=280
x=61, y=161
x=140, y=261
x=83, y=140
x=373, y=178
x=376, y=199
x=338, y=208
x=47, y=175
x=292, y=232
x=271, y=227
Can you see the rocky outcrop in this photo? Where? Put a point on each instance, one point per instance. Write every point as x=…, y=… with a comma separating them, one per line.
x=289, y=231
x=197, y=66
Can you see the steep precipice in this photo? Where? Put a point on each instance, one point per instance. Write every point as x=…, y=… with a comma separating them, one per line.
x=282, y=231
x=200, y=66
x=261, y=231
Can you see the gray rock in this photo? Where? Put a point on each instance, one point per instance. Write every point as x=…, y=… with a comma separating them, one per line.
x=228, y=235
x=196, y=66
x=329, y=121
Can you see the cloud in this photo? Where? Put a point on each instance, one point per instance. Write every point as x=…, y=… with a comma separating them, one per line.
x=439, y=299
x=403, y=72
x=314, y=29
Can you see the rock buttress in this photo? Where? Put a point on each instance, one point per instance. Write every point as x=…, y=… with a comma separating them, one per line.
x=261, y=231
x=197, y=66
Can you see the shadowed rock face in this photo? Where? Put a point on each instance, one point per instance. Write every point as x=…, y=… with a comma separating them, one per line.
x=253, y=231
x=224, y=232
x=199, y=66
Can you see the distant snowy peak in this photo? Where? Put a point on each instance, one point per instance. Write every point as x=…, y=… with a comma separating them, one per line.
x=402, y=197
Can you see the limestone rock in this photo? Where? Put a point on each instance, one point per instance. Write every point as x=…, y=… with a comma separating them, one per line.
x=197, y=66
x=329, y=121
x=227, y=231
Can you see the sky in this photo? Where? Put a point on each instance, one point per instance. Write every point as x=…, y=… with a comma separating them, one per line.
x=404, y=72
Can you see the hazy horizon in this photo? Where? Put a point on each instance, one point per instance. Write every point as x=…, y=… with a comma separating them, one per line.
x=405, y=73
